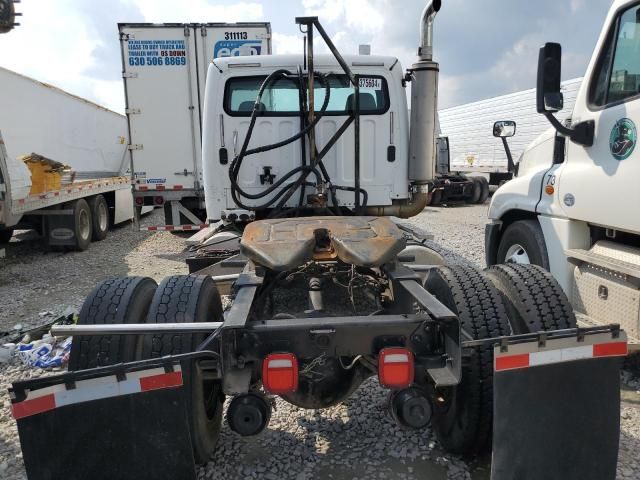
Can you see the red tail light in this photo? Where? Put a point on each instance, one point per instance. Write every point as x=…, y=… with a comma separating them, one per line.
x=139, y=201
x=395, y=367
x=280, y=373
x=158, y=200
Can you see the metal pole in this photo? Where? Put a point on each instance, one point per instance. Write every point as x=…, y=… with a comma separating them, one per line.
x=312, y=133
x=134, y=328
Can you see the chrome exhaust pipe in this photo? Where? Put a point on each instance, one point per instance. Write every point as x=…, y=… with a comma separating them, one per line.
x=425, y=51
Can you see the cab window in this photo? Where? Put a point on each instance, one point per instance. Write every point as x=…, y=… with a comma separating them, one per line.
x=282, y=97
x=618, y=72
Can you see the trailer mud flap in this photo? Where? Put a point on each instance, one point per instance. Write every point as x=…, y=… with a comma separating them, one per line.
x=557, y=408
x=129, y=426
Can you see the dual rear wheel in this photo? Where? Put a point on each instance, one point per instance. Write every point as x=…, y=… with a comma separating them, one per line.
x=179, y=298
x=502, y=300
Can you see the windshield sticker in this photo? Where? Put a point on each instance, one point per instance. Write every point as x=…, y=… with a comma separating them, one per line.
x=374, y=83
x=623, y=139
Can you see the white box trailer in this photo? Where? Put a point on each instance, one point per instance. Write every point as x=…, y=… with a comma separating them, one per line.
x=39, y=118
x=469, y=128
x=164, y=70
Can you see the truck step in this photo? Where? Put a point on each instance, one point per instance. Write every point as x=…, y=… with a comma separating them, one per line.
x=609, y=255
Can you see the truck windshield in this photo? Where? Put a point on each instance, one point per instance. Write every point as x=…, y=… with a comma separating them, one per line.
x=282, y=97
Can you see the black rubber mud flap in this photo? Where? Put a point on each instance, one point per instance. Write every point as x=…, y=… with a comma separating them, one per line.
x=557, y=409
x=105, y=428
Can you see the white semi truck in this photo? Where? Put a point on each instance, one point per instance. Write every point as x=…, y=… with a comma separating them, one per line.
x=328, y=291
x=39, y=118
x=573, y=206
x=164, y=70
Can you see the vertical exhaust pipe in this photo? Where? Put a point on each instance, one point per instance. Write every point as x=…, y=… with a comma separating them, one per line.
x=422, y=134
x=424, y=99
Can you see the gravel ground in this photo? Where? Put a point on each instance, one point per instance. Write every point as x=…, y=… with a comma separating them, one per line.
x=356, y=439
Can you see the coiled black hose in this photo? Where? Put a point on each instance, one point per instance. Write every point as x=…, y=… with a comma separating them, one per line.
x=305, y=170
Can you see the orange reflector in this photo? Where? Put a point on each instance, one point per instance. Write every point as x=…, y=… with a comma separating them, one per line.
x=395, y=367
x=549, y=189
x=280, y=373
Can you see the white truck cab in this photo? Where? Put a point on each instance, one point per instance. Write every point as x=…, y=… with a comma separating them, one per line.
x=232, y=86
x=573, y=205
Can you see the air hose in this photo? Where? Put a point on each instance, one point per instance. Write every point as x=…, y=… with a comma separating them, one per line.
x=305, y=170
x=285, y=193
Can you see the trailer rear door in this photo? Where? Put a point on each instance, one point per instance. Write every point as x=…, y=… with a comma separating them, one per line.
x=161, y=87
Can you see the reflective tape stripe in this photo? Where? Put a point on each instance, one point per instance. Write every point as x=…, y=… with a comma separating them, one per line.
x=169, y=228
x=509, y=362
x=33, y=407
x=98, y=388
x=610, y=349
x=548, y=357
x=164, y=380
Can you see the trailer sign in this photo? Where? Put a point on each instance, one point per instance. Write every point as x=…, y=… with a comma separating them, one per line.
x=156, y=52
x=235, y=48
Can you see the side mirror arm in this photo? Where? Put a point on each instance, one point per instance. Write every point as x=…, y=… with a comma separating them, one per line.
x=507, y=151
x=581, y=133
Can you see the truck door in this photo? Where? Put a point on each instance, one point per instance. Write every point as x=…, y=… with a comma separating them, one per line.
x=599, y=184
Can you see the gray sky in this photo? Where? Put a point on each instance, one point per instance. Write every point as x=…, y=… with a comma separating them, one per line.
x=485, y=48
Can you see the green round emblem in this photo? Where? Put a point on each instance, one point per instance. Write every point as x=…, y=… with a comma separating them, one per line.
x=623, y=139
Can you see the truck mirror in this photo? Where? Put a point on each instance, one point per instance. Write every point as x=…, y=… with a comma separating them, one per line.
x=504, y=128
x=548, y=96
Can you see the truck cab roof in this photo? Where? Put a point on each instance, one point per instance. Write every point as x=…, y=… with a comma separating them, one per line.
x=290, y=61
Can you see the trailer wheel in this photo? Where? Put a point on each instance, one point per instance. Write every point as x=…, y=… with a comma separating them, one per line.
x=463, y=414
x=118, y=300
x=477, y=190
x=485, y=191
x=99, y=217
x=436, y=198
x=5, y=235
x=190, y=298
x=532, y=297
x=523, y=242
x=82, y=224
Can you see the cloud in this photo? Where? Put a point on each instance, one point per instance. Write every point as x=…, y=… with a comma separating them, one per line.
x=198, y=11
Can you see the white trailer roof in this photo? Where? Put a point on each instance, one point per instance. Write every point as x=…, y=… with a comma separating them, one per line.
x=470, y=127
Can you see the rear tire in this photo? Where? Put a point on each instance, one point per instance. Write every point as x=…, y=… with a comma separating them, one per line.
x=119, y=300
x=82, y=224
x=190, y=298
x=533, y=299
x=523, y=243
x=99, y=217
x=436, y=198
x=477, y=190
x=5, y=235
x=463, y=414
x=485, y=191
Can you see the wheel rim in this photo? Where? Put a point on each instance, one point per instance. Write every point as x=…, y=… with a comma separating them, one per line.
x=83, y=224
x=517, y=254
x=102, y=217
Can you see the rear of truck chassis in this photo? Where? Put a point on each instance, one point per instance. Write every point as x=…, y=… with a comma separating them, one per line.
x=488, y=359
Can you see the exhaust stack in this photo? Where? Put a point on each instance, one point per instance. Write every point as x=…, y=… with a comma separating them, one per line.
x=424, y=96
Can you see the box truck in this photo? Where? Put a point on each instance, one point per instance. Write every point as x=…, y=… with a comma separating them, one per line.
x=39, y=118
x=164, y=69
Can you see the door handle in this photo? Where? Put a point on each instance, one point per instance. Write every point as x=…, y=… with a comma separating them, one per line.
x=235, y=143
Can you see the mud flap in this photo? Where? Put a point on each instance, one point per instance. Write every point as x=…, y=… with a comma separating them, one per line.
x=557, y=408
x=105, y=427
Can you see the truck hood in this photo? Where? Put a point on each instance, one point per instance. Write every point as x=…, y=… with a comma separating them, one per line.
x=536, y=155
